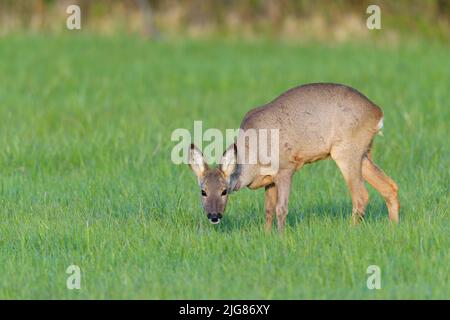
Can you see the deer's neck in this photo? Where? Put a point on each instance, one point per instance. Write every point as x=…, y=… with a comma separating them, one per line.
x=234, y=179
x=242, y=177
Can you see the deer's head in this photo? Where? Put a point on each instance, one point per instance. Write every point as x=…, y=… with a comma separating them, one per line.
x=214, y=183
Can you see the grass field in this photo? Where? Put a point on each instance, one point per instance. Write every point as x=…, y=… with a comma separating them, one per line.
x=86, y=176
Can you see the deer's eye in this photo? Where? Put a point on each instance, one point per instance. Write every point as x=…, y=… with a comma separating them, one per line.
x=203, y=193
x=224, y=192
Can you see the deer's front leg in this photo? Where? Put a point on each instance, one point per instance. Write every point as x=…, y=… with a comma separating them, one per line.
x=283, y=185
x=270, y=202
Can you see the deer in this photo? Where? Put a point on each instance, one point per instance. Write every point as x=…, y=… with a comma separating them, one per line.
x=314, y=121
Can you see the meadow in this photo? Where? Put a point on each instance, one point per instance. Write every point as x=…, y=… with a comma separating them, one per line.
x=86, y=176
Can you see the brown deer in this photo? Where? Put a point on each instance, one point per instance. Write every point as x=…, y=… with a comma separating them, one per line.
x=314, y=122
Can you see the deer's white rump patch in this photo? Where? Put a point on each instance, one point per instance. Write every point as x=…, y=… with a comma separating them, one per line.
x=379, y=127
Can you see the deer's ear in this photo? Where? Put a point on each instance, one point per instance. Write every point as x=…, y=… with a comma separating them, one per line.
x=229, y=160
x=196, y=161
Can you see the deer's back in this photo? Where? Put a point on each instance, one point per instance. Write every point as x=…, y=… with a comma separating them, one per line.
x=313, y=117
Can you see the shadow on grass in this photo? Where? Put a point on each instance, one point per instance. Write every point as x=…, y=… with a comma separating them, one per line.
x=248, y=218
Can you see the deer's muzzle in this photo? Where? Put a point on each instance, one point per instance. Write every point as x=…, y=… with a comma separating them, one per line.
x=214, y=218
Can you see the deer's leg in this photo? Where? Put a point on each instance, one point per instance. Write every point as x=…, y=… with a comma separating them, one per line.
x=270, y=202
x=283, y=184
x=350, y=164
x=384, y=185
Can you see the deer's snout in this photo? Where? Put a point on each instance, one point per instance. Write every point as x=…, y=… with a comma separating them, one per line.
x=214, y=218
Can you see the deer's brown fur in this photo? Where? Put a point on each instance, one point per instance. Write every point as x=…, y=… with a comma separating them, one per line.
x=315, y=121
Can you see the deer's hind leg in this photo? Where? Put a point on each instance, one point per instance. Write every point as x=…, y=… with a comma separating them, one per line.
x=384, y=185
x=349, y=161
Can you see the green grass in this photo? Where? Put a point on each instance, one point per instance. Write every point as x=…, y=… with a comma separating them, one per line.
x=86, y=176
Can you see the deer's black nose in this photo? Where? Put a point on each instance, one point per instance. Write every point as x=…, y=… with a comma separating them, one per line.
x=214, y=217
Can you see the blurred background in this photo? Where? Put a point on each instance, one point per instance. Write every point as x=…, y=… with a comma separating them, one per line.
x=317, y=20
